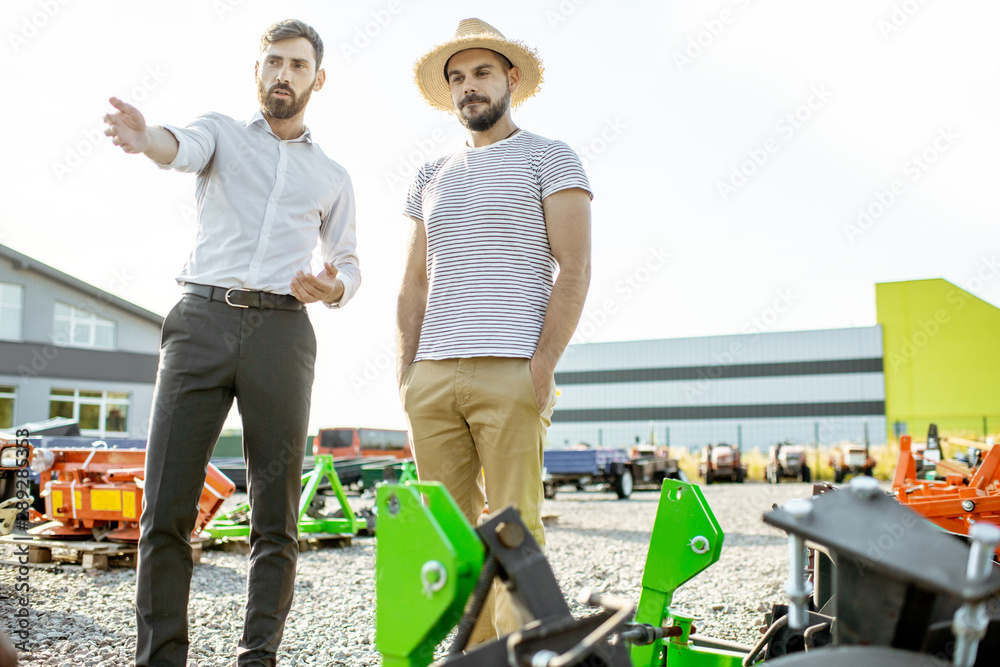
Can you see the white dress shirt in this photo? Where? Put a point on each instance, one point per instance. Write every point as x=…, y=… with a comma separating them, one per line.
x=262, y=202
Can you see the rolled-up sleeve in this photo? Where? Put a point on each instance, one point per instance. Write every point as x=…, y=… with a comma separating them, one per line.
x=195, y=144
x=339, y=241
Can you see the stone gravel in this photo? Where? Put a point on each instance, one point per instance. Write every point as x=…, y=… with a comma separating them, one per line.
x=597, y=541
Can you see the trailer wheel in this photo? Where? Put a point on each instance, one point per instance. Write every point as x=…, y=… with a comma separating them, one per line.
x=623, y=484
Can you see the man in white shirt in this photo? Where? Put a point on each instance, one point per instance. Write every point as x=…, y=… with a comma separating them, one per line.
x=496, y=275
x=266, y=193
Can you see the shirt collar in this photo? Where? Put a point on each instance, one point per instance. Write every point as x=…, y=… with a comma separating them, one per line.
x=258, y=119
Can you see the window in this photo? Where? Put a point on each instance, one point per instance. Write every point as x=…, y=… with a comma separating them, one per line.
x=81, y=328
x=7, y=396
x=99, y=413
x=11, y=305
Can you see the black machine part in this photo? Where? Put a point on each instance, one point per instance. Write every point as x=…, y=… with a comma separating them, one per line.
x=553, y=637
x=892, y=569
x=859, y=656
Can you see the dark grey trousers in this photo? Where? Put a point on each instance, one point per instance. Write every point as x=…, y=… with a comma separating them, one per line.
x=211, y=353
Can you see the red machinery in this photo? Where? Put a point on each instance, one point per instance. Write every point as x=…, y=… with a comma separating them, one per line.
x=962, y=498
x=98, y=492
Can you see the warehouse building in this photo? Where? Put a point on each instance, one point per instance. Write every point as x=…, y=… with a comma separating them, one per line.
x=69, y=349
x=932, y=357
x=748, y=389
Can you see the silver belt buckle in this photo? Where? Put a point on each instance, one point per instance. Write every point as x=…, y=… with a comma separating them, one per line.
x=230, y=291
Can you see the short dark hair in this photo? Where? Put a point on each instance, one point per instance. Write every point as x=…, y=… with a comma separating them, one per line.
x=505, y=63
x=290, y=29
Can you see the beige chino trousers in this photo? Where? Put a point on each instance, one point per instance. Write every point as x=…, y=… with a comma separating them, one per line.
x=476, y=428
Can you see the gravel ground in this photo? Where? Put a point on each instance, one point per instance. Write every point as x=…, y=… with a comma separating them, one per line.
x=80, y=618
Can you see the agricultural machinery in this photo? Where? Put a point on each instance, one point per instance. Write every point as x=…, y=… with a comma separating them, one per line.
x=720, y=462
x=787, y=460
x=851, y=459
x=870, y=583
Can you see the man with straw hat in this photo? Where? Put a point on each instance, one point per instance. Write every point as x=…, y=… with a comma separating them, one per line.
x=497, y=271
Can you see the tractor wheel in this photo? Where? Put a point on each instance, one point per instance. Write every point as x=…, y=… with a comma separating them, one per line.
x=708, y=477
x=623, y=484
x=838, y=476
x=870, y=471
x=739, y=476
x=806, y=474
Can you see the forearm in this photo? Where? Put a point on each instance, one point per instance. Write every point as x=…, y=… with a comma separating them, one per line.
x=162, y=147
x=562, y=315
x=410, y=309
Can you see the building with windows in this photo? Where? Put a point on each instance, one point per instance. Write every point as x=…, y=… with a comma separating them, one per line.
x=931, y=358
x=69, y=349
x=751, y=389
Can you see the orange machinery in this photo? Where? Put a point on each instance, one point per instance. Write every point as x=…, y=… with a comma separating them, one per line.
x=98, y=492
x=962, y=498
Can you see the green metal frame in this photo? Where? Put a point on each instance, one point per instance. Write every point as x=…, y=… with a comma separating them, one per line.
x=421, y=531
x=427, y=564
x=236, y=524
x=686, y=540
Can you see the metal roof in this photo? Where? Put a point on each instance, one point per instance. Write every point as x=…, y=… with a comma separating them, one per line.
x=25, y=263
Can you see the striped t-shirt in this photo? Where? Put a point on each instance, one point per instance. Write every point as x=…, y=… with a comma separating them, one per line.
x=489, y=265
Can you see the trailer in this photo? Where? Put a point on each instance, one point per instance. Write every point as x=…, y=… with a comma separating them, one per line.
x=616, y=469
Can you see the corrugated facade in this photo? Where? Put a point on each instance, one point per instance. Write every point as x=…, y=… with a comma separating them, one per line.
x=755, y=389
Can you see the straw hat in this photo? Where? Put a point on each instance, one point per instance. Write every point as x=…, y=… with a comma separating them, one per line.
x=476, y=34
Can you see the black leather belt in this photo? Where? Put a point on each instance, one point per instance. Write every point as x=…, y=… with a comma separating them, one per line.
x=244, y=298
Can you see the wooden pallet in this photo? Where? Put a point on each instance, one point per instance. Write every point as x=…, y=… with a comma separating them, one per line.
x=89, y=555
x=307, y=542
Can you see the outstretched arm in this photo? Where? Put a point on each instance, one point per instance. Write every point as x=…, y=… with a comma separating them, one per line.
x=567, y=222
x=127, y=128
x=412, y=302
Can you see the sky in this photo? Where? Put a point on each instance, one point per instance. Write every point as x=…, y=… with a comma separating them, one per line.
x=742, y=153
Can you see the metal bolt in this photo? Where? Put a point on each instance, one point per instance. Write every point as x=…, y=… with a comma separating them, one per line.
x=699, y=544
x=511, y=535
x=985, y=538
x=543, y=658
x=968, y=505
x=864, y=487
x=971, y=620
x=433, y=577
x=799, y=508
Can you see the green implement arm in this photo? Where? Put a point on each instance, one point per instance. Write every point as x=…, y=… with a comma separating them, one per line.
x=686, y=540
x=427, y=564
x=236, y=523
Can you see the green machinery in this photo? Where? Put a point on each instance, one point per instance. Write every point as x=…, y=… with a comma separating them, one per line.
x=311, y=518
x=430, y=560
x=881, y=587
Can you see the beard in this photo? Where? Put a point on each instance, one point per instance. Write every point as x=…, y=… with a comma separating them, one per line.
x=279, y=108
x=484, y=120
